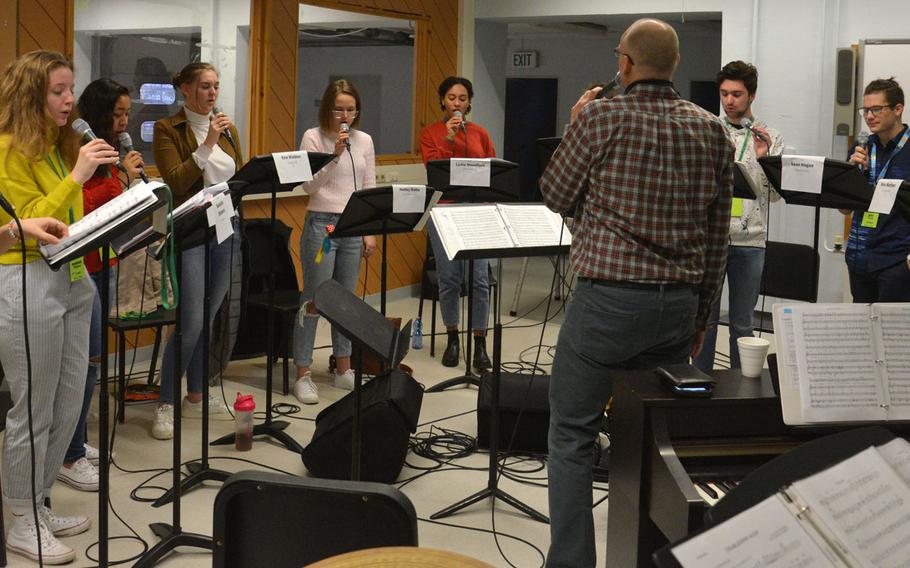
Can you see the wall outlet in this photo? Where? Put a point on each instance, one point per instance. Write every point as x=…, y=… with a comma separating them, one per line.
x=392, y=176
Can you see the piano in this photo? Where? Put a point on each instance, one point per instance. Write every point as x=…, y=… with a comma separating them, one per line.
x=662, y=445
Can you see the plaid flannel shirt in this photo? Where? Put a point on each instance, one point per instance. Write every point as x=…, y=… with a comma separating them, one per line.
x=652, y=176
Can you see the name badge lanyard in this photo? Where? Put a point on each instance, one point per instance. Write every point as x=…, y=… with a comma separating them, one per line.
x=77, y=266
x=870, y=220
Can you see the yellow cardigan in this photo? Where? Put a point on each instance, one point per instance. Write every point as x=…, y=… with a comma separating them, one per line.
x=35, y=190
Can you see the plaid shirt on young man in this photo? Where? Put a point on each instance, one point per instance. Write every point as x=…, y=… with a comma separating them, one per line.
x=653, y=177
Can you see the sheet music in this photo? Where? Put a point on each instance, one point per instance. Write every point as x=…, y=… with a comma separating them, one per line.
x=895, y=329
x=786, y=347
x=865, y=505
x=535, y=225
x=838, y=378
x=765, y=535
x=474, y=227
x=897, y=454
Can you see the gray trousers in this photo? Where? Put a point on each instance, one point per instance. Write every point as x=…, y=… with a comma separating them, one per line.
x=59, y=314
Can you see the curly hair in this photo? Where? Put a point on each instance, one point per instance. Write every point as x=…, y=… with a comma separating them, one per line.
x=739, y=71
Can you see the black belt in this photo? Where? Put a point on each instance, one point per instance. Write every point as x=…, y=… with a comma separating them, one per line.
x=638, y=285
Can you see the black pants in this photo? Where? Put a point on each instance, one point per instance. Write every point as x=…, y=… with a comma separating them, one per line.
x=890, y=284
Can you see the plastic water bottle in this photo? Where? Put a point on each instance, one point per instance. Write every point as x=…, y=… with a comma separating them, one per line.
x=243, y=422
x=417, y=335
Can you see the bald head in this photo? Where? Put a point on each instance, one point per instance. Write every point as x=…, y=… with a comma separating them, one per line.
x=653, y=46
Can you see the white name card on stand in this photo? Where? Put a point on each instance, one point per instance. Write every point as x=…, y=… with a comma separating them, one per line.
x=408, y=198
x=884, y=196
x=292, y=167
x=473, y=172
x=219, y=216
x=802, y=173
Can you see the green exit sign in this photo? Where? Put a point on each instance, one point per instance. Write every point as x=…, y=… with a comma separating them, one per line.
x=523, y=60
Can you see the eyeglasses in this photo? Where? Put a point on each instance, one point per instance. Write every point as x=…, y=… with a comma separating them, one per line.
x=875, y=110
x=344, y=112
x=618, y=54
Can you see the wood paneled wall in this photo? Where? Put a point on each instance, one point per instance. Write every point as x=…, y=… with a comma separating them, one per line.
x=26, y=25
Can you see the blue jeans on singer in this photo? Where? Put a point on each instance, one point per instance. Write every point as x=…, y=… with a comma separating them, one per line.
x=192, y=294
x=744, y=270
x=451, y=274
x=341, y=263
x=607, y=328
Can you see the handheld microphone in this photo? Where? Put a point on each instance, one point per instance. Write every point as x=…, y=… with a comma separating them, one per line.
x=83, y=129
x=862, y=140
x=747, y=124
x=464, y=123
x=227, y=131
x=126, y=142
x=345, y=128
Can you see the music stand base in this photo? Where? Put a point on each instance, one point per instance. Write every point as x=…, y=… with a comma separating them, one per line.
x=493, y=493
x=273, y=429
x=199, y=474
x=454, y=382
x=171, y=539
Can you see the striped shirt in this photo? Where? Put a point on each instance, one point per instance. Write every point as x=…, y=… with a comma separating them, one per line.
x=653, y=177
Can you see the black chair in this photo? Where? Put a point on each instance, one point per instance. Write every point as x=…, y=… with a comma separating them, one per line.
x=259, y=518
x=157, y=321
x=257, y=245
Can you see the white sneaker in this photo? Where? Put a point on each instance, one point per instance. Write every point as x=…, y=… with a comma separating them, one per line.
x=22, y=538
x=63, y=526
x=94, y=456
x=345, y=380
x=81, y=475
x=305, y=390
x=163, y=429
x=217, y=409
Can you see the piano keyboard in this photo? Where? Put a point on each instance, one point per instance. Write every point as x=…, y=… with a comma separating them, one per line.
x=714, y=490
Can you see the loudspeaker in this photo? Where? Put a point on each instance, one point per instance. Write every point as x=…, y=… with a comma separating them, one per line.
x=283, y=521
x=526, y=395
x=390, y=407
x=844, y=113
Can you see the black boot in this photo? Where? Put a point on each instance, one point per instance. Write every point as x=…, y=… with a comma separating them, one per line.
x=481, y=361
x=452, y=353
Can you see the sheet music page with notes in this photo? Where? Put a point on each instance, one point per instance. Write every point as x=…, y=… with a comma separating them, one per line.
x=534, y=225
x=894, y=323
x=865, y=506
x=766, y=535
x=835, y=354
x=470, y=227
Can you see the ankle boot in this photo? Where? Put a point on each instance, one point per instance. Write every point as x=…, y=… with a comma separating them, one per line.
x=452, y=353
x=481, y=361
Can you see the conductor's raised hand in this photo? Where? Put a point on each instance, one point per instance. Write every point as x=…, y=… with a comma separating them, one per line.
x=583, y=100
x=91, y=155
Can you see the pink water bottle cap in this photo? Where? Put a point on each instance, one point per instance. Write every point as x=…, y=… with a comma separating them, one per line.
x=244, y=403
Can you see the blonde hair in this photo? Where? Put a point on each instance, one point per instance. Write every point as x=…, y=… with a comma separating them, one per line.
x=23, y=103
x=190, y=73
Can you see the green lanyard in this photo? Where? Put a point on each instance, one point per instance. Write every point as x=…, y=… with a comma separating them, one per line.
x=77, y=265
x=63, y=172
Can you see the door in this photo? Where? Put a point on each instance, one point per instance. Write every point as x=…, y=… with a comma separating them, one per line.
x=530, y=114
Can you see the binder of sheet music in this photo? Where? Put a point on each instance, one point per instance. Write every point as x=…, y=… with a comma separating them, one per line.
x=122, y=209
x=853, y=514
x=843, y=362
x=498, y=226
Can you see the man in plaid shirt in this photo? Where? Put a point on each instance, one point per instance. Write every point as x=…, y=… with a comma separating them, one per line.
x=652, y=176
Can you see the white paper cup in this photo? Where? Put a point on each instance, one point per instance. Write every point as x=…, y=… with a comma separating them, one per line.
x=752, y=353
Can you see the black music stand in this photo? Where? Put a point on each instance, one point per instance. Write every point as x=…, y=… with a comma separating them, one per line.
x=505, y=181
x=741, y=186
x=103, y=240
x=368, y=331
x=369, y=212
x=262, y=177
x=492, y=490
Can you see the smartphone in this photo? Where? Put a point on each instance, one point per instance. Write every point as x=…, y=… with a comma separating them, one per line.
x=684, y=379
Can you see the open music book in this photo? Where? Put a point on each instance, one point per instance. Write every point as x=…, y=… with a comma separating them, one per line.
x=843, y=362
x=498, y=226
x=126, y=207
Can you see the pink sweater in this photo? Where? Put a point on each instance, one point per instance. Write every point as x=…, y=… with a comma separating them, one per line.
x=333, y=185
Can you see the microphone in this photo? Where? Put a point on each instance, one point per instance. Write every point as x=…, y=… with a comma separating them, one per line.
x=126, y=142
x=862, y=140
x=84, y=130
x=227, y=132
x=345, y=129
x=747, y=124
x=464, y=123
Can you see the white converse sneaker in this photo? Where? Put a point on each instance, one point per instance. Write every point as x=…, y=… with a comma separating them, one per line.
x=81, y=475
x=217, y=409
x=63, y=526
x=163, y=429
x=22, y=538
x=305, y=390
x=345, y=380
x=94, y=456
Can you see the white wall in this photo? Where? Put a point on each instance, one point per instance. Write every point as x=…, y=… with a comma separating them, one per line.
x=487, y=108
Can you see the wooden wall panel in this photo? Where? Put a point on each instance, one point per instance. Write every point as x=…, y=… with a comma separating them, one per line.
x=45, y=24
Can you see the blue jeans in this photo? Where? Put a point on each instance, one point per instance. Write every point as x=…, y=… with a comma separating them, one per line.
x=744, y=270
x=451, y=274
x=890, y=284
x=192, y=294
x=76, y=449
x=606, y=329
x=341, y=263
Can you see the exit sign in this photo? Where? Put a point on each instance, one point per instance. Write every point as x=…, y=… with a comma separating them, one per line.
x=523, y=60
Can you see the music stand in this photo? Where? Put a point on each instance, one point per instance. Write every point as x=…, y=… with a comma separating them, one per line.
x=742, y=188
x=844, y=186
x=504, y=187
x=368, y=331
x=261, y=177
x=102, y=239
x=370, y=212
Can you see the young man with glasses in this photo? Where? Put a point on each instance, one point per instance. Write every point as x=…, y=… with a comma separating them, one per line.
x=751, y=139
x=878, y=247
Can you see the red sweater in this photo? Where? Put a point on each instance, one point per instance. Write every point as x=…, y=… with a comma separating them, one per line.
x=434, y=146
x=97, y=191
